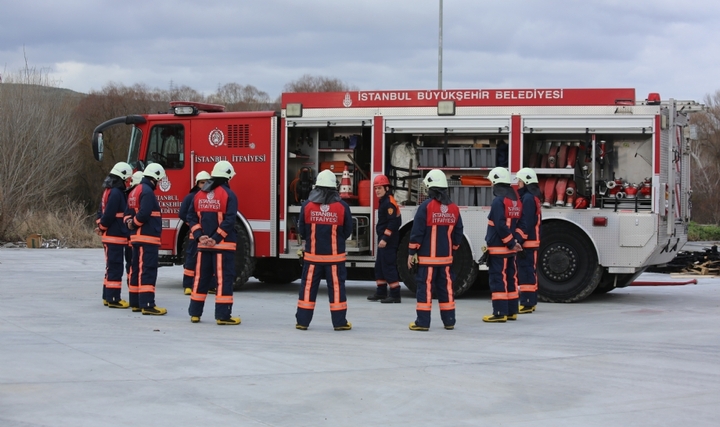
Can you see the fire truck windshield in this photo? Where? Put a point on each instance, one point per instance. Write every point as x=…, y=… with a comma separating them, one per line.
x=134, y=150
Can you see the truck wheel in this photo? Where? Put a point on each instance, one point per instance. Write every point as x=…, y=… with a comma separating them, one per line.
x=244, y=263
x=608, y=283
x=568, y=268
x=464, y=267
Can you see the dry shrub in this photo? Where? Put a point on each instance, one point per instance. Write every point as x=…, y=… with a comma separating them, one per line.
x=69, y=223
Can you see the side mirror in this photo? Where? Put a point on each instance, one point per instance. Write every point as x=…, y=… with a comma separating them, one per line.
x=97, y=146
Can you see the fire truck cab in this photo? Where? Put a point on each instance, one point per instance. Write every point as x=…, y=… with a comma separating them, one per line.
x=614, y=172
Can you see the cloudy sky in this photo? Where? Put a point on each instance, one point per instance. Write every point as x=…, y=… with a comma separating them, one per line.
x=662, y=46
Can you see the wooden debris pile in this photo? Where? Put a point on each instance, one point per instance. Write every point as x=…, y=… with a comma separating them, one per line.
x=705, y=263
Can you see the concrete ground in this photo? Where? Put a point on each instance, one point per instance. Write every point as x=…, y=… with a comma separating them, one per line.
x=639, y=356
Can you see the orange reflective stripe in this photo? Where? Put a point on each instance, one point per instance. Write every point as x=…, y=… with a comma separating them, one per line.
x=324, y=258
x=424, y=306
x=528, y=288
x=114, y=240
x=133, y=288
x=447, y=305
x=156, y=214
x=119, y=215
x=491, y=222
x=336, y=286
x=189, y=273
x=226, y=299
x=333, y=239
x=198, y=297
x=336, y=306
x=426, y=260
x=507, y=238
x=196, y=282
x=449, y=287
x=456, y=247
x=388, y=232
x=140, y=238
x=225, y=246
x=520, y=232
x=101, y=227
x=195, y=227
x=137, y=223
x=513, y=295
x=221, y=232
x=499, y=296
x=308, y=305
x=146, y=288
x=414, y=246
x=394, y=285
x=112, y=284
x=381, y=282
x=499, y=250
x=531, y=244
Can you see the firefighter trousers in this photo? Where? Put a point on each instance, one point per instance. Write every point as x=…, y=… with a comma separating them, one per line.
x=213, y=269
x=386, y=272
x=114, y=257
x=437, y=281
x=334, y=275
x=503, y=279
x=190, y=264
x=143, y=275
x=527, y=278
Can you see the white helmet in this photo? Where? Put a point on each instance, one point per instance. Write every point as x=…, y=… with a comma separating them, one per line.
x=527, y=175
x=499, y=175
x=223, y=169
x=435, y=179
x=136, y=178
x=202, y=176
x=122, y=170
x=154, y=171
x=326, y=179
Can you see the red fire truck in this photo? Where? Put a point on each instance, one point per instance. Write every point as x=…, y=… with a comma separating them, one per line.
x=614, y=173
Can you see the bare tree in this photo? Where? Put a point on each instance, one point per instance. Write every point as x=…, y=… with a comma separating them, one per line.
x=706, y=163
x=236, y=97
x=309, y=83
x=37, y=137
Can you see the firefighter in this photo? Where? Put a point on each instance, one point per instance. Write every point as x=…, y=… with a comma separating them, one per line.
x=114, y=234
x=191, y=250
x=388, y=224
x=324, y=223
x=144, y=220
x=527, y=234
x=502, y=246
x=211, y=218
x=134, y=181
x=437, y=231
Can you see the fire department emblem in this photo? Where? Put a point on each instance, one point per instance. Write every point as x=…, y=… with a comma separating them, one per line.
x=443, y=208
x=347, y=102
x=324, y=208
x=211, y=195
x=216, y=137
x=164, y=185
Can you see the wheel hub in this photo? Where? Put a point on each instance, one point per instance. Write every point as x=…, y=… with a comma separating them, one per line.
x=559, y=263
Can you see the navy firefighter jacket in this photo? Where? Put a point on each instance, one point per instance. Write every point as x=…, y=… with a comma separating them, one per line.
x=143, y=210
x=437, y=231
x=110, y=216
x=527, y=232
x=213, y=214
x=389, y=220
x=325, y=227
x=504, y=214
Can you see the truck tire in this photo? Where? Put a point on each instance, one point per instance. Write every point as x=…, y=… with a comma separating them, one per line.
x=608, y=283
x=244, y=262
x=568, y=268
x=277, y=271
x=464, y=267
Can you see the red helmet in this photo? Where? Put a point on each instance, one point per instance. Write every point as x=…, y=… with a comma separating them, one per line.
x=381, y=180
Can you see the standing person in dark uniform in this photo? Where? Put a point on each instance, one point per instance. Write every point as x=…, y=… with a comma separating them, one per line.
x=211, y=218
x=144, y=219
x=114, y=234
x=437, y=231
x=387, y=227
x=134, y=182
x=501, y=245
x=325, y=222
x=191, y=250
x=527, y=234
